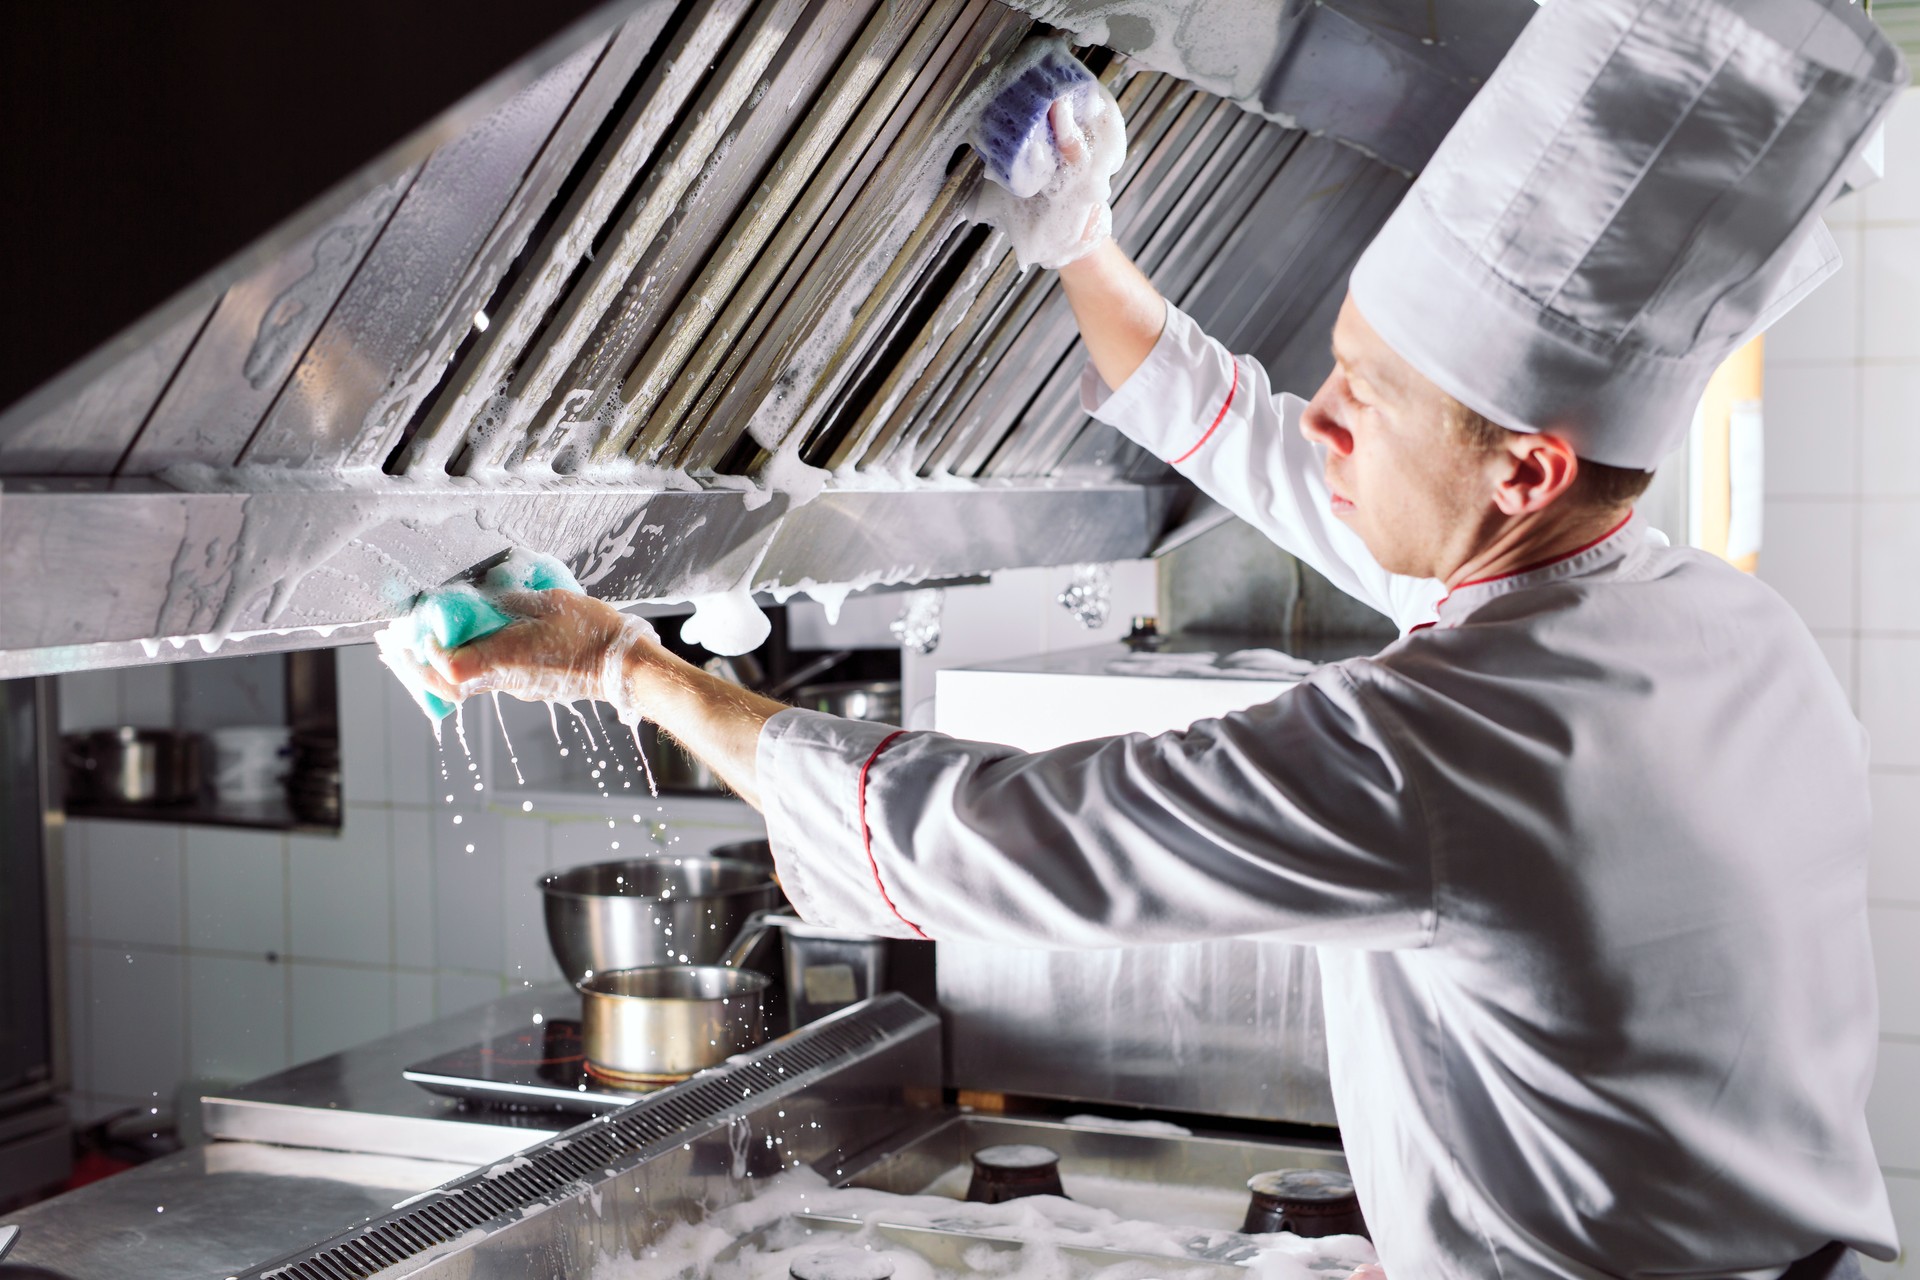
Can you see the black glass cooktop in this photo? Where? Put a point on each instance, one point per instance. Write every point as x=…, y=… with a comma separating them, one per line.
x=537, y=1068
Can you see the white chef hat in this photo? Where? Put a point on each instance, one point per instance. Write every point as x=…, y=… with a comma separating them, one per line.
x=1634, y=193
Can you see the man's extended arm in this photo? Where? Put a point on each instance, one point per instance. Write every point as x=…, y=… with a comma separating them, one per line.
x=1119, y=311
x=568, y=647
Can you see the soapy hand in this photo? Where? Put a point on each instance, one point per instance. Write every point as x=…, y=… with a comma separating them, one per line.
x=1071, y=143
x=561, y=647
x=1051, y=140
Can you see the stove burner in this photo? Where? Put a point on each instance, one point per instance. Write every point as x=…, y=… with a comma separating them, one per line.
x=844, y=1262
x=538, y=1068
x=1307, y=1202
x=1010, y=1172
x=638, y=1080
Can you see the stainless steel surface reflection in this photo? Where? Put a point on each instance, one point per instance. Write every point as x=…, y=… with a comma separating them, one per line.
x=650, y=911
x=129, y=765
x=213, y=1211
x=357, y=1100
x=1225, y=1028
x=877, y=700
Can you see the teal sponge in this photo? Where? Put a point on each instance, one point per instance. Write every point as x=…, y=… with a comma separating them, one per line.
x=450, y=616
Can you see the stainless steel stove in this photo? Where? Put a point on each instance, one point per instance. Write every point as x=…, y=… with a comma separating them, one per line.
x=857, y=1099
x=537, y=1067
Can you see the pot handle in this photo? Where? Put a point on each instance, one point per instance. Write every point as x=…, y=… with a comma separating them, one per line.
x=757, y=927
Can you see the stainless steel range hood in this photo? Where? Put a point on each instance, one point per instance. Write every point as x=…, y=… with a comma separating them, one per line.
x=673, y=258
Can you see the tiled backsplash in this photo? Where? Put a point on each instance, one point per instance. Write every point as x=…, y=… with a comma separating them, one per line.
x=1842, y=542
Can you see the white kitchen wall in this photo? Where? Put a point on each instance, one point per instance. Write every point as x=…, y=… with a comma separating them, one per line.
x=1842, y=542
x=1018, y=615
x=204, y=953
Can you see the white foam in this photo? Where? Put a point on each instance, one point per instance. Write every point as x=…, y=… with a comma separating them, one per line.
x=727, y=623
x=1043, y=1223
x=1225, y=49
x=1070, y=213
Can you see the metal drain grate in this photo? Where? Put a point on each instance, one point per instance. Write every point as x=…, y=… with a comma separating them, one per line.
x=646, y=1128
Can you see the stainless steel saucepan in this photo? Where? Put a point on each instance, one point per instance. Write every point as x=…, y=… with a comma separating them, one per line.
x=659, y=1023
x=651, y=911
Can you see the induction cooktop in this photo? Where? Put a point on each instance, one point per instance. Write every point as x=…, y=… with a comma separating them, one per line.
x=536, y=1068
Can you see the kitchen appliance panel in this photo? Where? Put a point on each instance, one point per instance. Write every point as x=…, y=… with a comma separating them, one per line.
x=1227, y=1027
x=1224, y=1028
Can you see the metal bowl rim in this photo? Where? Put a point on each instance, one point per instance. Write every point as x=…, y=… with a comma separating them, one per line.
x=849, y=686
x=757, y=983
x=545, y=883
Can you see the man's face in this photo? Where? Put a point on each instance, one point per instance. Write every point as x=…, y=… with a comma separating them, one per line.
x=1418, y=496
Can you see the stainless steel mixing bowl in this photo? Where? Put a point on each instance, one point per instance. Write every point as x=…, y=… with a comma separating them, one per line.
x=650, y=911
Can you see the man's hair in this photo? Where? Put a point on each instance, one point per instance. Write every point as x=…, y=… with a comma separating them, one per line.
x=1595, y=485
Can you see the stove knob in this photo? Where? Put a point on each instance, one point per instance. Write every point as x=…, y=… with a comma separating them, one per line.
x=844, y=1262
x=1010, y=1172
x=1307, y=1202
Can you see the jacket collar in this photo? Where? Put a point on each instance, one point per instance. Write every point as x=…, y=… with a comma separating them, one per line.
x=1606, y=550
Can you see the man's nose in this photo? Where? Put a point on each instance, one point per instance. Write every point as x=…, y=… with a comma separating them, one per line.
x=1318, y=425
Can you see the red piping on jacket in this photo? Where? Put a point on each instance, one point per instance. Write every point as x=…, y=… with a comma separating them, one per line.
x=1218, y=418
x=866, y=835
x=1532, y=568
x=1544, y=564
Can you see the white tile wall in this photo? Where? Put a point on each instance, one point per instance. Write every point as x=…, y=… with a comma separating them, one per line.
x=335, y=1007
x=1014, y=617
x=136, y=1022
x=1890, y=430
x=340, y=892
x=1819, y=457
x=134, y=883
x=1896, y=957
x=237, y=1017
x=1895, y=876
x=236, y=891
x=217, y=954
x=1890, y=292
x=1889, y=693
x=1889, y=553
x=1842, y=541
x=1810, y=558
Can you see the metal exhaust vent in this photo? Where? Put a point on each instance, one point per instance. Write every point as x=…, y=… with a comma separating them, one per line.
x=619, y=319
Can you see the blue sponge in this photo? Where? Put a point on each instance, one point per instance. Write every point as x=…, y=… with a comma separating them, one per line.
x=1013, y=136
x=450, y=616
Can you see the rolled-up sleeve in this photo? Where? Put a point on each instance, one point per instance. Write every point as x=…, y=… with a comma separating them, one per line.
x=1215, y=417
x=1293, y=819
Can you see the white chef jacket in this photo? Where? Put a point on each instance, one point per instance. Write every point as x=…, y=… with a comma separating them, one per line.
x=1585, y=860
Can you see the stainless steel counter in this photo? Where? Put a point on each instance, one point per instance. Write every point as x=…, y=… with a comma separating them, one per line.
x=213, y=1211
x=351, y=1138
x=356, y=1100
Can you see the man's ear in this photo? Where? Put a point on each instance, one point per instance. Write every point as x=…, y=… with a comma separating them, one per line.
x=1539, y=468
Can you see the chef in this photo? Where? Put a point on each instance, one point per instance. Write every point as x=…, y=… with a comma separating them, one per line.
x=1584, y=852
